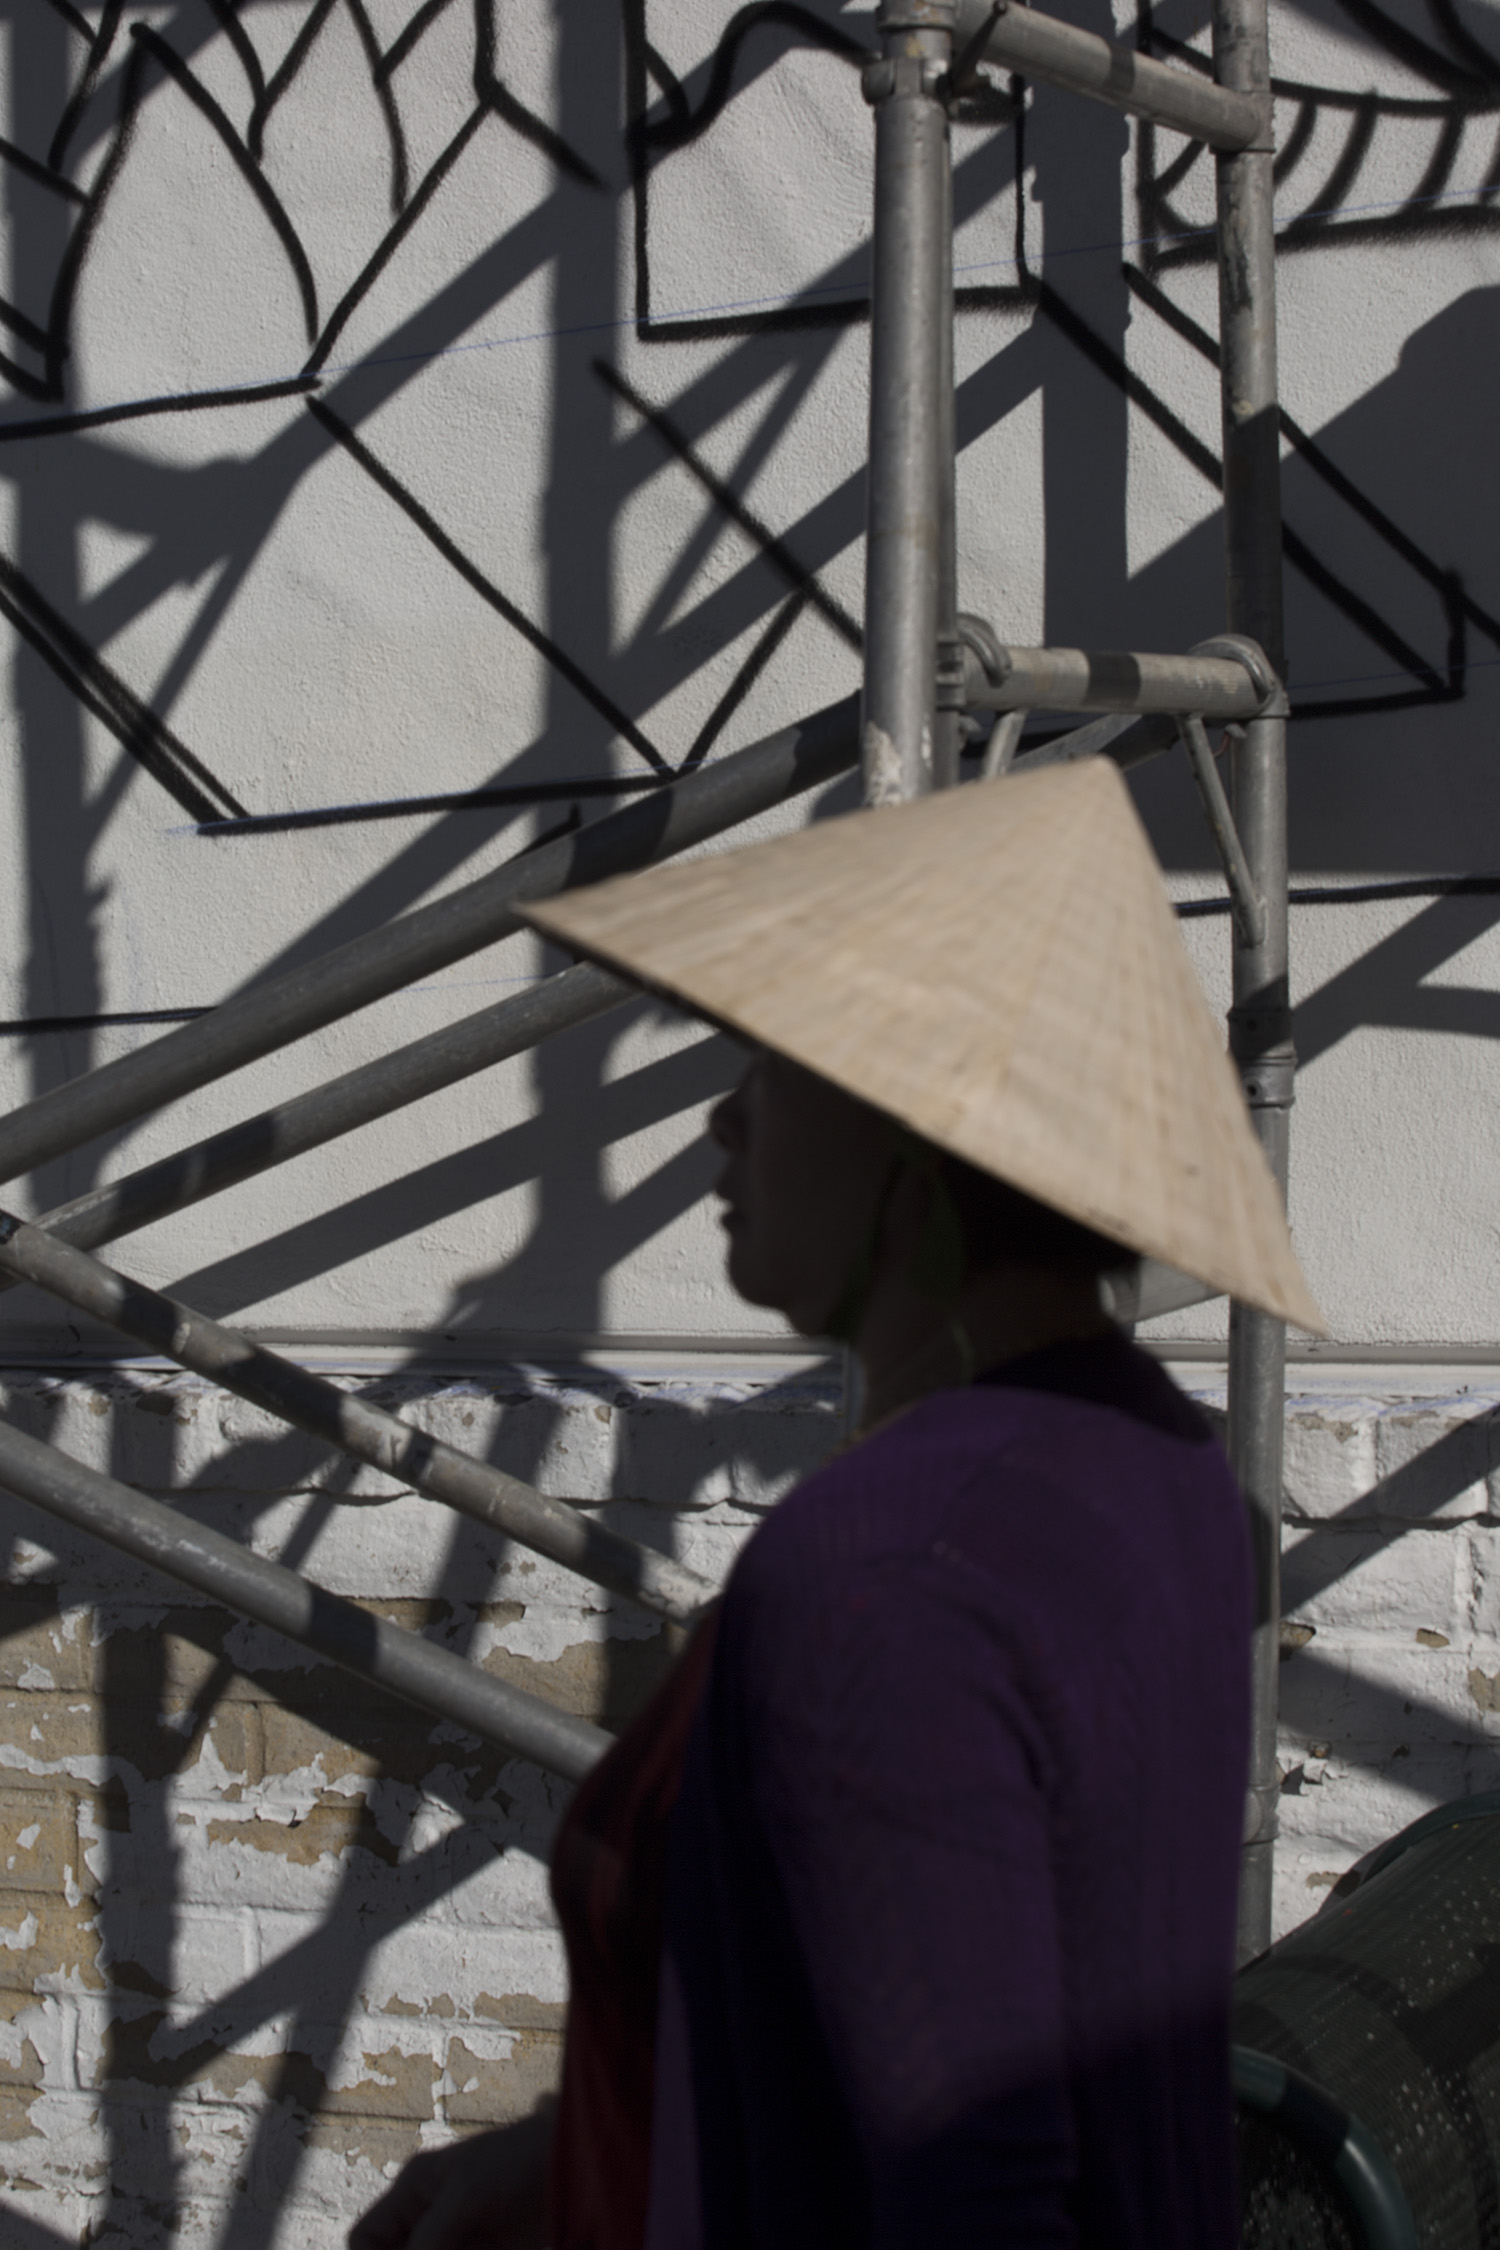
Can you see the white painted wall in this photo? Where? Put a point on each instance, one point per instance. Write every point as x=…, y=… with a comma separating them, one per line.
x=503, y=562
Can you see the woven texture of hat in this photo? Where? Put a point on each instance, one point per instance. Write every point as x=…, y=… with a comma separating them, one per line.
x=1000, y=968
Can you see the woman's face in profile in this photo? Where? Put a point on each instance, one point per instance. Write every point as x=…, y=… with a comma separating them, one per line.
x=805, y=1165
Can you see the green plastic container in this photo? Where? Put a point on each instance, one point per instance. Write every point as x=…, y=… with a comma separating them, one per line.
x=1386, y=2007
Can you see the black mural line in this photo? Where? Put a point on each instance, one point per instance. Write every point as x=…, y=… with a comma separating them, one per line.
x=1445, y=583
x=485, y=587
x=181, y=402
x=521, y=796
x=384, y=94
x=40, y=174
x=245, y=164
x=73, y=18
x=100, y=43
x=16, y=321
x=400, y=47
x=60, y=311
x=226, y=15
x=1437, y=683
x=683, y=123
x=775, y=549
x=134, y=725
x=246, y=150
x=648, y=140
x=150, y=741
x=1435, y=688
x=517, y=797
x=1187, y=910
x=281, y=78
x=391, y=242
x=491, y=90
x=1361, y=894
x=23, y=1027
x=744, y=680
x=1471, y=91
x=643, y=67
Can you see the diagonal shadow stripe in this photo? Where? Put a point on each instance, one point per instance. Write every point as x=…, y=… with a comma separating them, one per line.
x=134, y=725
x=1384, y=985
x=281, y=1986
x=23, y=2233
x=775, y=549
x=1385, y=1713
x=452, y=1184
x=1411, y=1493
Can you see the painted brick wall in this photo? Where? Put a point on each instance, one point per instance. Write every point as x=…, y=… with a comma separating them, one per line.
x=264, y=1932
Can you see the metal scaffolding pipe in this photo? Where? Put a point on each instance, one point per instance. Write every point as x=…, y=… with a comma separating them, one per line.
x=948, y=696
x=253, y=1023
x=341, y=1105
x=1260, y=1023
x=1039, y=46
x=910, y=291
x=367, y=1646
x=1077, y=679
x=352, y=1425
x=1249, y=906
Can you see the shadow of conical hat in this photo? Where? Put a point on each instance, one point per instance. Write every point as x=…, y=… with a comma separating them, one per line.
x=999, y=968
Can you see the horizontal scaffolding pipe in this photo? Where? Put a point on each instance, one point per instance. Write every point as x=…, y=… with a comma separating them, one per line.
x=302, y=1000
x=341, y=1105
x=1078, y=679
x=352, y=1425
x=1105, y=70
x=371, y=1648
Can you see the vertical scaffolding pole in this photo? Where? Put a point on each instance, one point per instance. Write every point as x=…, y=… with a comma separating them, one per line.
x=908, y=523
x=1260, y=1025
x=947, y=734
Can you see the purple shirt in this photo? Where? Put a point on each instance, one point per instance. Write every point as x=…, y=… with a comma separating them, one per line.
x=951, y=1901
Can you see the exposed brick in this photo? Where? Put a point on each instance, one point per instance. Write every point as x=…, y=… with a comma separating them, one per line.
x=490, y=2092
x=383, y=2142
x=608, y=1681
x=384, y=2083
x=21, y=2062
x=41, y=1733
x=327, y=1830
x=38, y=1840
x=42, y=1938
x=402, y=1744
x=16, y=2105
x=43, y=1645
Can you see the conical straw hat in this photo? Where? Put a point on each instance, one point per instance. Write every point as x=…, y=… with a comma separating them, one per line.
x=998, y=967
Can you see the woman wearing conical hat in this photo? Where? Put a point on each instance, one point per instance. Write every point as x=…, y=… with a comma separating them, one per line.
x=904, y=1916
